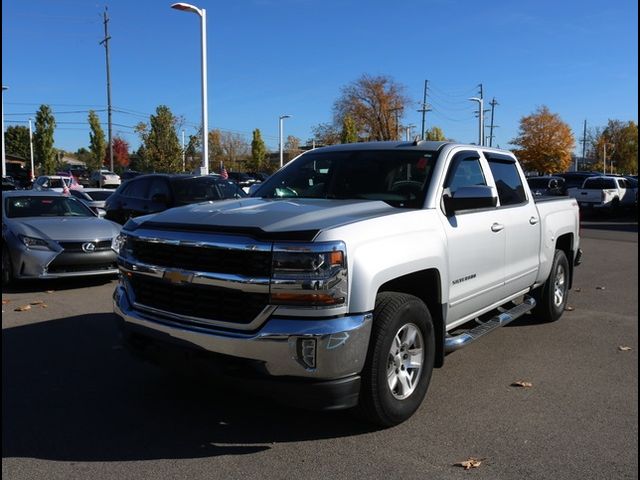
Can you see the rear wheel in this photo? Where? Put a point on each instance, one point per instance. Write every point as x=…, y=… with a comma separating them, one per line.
x=399, y=361
x=551, y=298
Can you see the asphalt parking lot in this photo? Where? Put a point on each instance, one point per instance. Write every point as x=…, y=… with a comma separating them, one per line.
x=76, y=406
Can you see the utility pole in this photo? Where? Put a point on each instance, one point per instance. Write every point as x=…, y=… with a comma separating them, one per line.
x=493, y=104
x=105, y=42
x=480, y=101
x=184, y=152
x=395, y=112
x=33, y=175
x=425, y=108
x=584, y=142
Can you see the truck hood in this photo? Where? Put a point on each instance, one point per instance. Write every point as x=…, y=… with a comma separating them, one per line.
x=268, y=215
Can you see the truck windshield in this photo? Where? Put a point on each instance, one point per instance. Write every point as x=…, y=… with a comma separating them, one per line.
x=398, y=178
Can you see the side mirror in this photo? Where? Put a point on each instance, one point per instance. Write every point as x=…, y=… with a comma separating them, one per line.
x=160, y=198
x=101, y=212
x=467, y=198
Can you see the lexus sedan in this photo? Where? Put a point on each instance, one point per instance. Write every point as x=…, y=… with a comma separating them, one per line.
x=49, y=235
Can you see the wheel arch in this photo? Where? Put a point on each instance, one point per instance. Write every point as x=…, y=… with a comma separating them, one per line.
x=425, y=285
x=565, y=243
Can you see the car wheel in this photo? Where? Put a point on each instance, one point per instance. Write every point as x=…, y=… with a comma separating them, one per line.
x=399, y=360
x=551, y=298
x=7, y=267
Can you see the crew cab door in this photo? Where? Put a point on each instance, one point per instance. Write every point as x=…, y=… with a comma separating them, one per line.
x=518, y=214
x=475, y=239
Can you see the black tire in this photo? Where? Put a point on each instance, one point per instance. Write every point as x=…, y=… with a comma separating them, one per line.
x=393, y=313
x=7, y=267
x=551, y=298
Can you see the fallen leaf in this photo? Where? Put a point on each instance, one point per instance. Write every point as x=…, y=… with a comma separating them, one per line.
x=569, y=309
x=522, y=384
x=50, y=291
x=577, y=289
x=471, y=462
x=36, y=302
x=23, y=308
x=624, y=349
x=43, y=305
x=600, y=288
x=4, y=302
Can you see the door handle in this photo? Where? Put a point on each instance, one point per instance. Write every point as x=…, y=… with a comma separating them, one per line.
x=496, y=227
x=533, y=220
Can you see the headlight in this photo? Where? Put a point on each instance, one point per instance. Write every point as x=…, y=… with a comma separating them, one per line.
x=34, y=243
x=119, y=243
x=312, y=275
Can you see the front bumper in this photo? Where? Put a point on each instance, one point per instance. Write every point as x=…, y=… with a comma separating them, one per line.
x=279, y=348
x=48, y=264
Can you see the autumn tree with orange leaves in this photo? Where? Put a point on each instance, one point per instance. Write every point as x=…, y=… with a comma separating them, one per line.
x=545, y=141
x=121, y=152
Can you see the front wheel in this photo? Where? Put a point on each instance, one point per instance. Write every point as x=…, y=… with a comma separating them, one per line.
x=551, y=298
x=399, y=361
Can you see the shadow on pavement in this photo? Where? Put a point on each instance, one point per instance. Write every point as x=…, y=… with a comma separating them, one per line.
x=70, y=393
x=34, y=286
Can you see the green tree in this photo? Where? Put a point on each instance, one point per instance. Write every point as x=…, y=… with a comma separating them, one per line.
x=16, y=141
x=375, y=103
x=258, y=152
x=435, y=134
x=45, y=125
x=193, y=153
x=83, y=155
x=162, y=150
x=349, y=132
x=545, y=142
x=621, y=139
x=97, y=143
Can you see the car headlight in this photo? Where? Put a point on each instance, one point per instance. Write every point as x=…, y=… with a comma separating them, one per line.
x=119, y=243
x=313, y=275
x=34, y=243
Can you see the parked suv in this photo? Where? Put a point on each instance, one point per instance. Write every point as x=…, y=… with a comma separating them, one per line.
x=546, y=186
x=154, y=193
x=574, y=179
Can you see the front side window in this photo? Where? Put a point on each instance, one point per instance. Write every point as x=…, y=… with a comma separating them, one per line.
x=465, y=171
x=196, y=189
x=399, y=178
x=508, y=181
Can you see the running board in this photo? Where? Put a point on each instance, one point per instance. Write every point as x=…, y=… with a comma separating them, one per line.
x=456, y=342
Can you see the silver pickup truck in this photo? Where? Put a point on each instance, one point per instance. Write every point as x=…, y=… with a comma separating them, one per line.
x=349, y=274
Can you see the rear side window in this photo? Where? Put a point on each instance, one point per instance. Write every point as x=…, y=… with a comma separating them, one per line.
x=599, y=183
x=159, y=186
x=508, y=182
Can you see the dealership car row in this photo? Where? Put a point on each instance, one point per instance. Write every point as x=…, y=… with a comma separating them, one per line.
x=58, y=229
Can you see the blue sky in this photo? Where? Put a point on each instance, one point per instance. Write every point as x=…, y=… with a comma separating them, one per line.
x=273, y=57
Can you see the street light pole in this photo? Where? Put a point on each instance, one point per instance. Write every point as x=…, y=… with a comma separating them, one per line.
x=4, y=158
x=185, y=7
x=480, y=119
x=183, y=153
x=281, y=135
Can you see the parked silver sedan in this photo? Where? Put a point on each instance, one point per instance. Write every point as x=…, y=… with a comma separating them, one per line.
x=50, y=235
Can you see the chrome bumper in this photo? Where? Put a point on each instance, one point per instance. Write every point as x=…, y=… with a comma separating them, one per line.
x=340, y=343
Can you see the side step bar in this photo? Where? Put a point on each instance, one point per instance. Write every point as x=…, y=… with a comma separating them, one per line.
x=456, y=342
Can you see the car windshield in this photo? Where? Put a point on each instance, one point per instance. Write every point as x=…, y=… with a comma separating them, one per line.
x=37, y=206
x=398, y=178
x=202, y=189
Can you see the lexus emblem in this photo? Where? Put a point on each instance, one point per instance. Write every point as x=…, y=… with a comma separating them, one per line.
x=89, y=247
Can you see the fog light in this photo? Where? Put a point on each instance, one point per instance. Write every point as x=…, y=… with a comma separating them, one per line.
x=307, y=352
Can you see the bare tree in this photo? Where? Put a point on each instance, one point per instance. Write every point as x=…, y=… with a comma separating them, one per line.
x=235, y=150
x=375, y=103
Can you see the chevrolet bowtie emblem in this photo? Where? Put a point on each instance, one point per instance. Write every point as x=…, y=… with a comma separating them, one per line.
x=176, y=276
